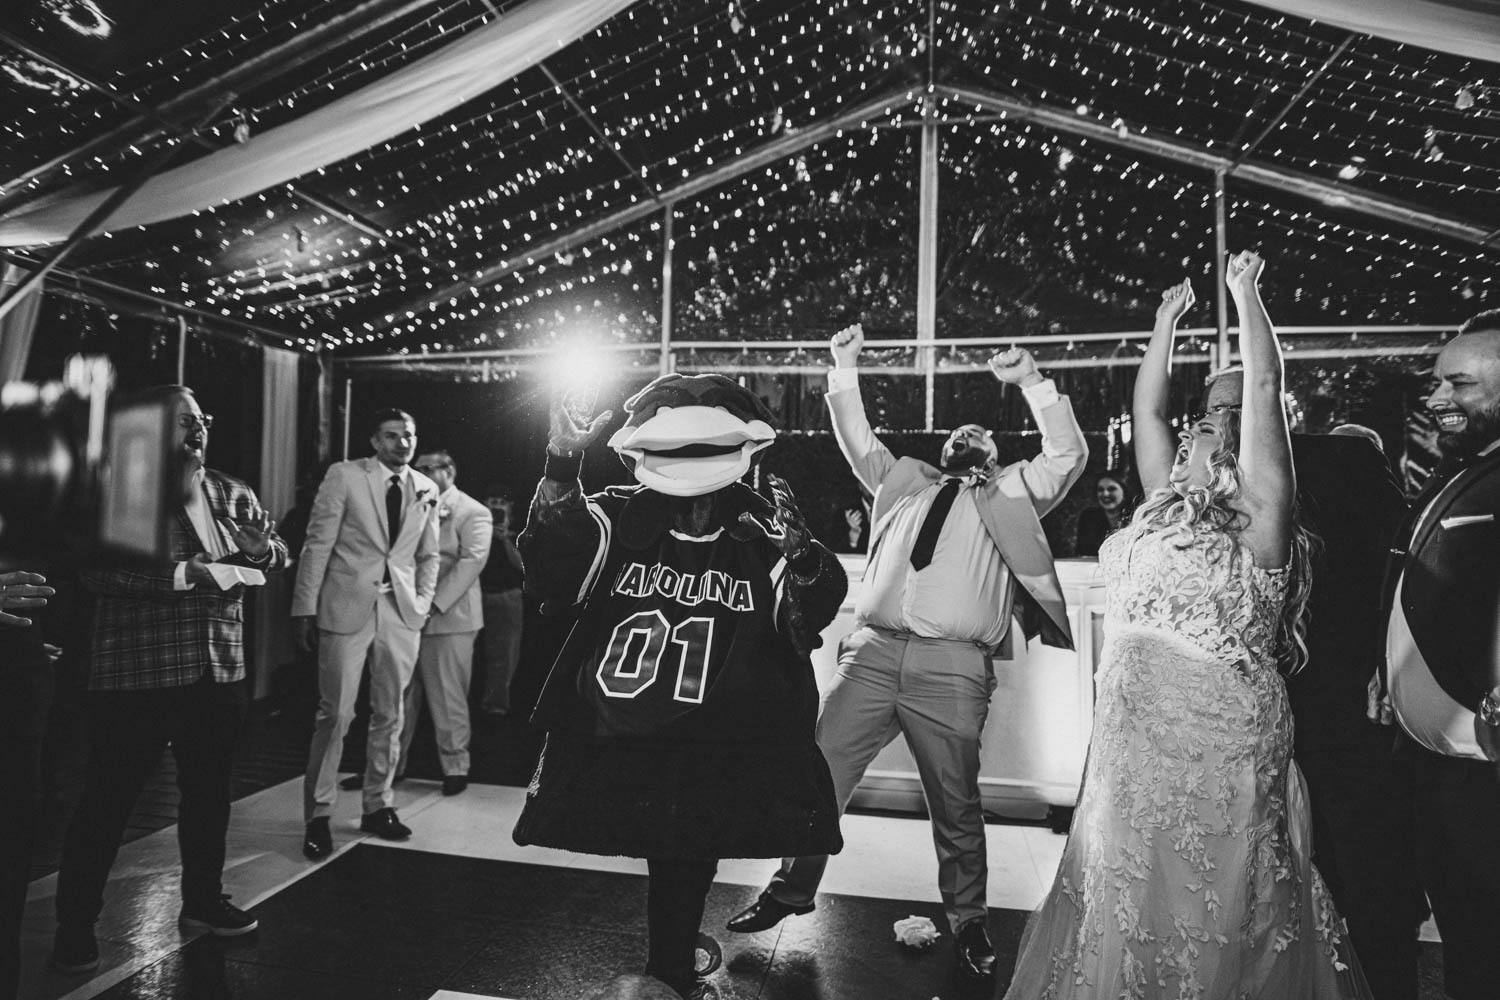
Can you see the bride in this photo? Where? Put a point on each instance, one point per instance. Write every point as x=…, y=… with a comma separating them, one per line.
x=1187, y=874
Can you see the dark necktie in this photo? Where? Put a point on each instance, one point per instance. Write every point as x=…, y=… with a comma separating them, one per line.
x=921, y=552
x=393, y=507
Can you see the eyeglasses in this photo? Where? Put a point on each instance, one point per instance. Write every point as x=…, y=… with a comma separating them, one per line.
x=187, y=421
x=424, y=469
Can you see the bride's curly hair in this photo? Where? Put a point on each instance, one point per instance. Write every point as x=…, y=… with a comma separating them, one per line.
x=1209, y=508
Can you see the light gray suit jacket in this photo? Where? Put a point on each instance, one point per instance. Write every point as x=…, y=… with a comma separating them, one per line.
x=1010, y=505
x=348, y=553
x=464, y=537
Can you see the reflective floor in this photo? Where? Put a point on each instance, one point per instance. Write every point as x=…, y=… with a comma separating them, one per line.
x=462, y=911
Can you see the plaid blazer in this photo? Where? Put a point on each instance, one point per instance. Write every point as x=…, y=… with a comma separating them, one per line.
x=149, y=635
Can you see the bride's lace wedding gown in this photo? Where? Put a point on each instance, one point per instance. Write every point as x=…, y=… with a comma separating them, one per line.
x=1187, y=874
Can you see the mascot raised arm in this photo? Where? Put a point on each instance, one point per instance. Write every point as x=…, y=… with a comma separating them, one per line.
x=681, y=710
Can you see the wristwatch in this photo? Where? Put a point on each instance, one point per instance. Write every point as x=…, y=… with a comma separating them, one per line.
x=1489, y=708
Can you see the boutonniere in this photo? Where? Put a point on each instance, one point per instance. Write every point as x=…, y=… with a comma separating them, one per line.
x=426, y=499
x=444, y=512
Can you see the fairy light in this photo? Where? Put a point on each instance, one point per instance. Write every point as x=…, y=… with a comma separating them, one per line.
x=683, y=90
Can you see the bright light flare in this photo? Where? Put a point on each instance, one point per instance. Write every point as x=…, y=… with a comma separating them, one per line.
x=576, y=373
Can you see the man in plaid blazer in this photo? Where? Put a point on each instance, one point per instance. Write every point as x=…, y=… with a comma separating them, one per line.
x=168, y=668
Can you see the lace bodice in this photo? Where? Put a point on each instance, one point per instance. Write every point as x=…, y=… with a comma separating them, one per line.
x=1200, y=584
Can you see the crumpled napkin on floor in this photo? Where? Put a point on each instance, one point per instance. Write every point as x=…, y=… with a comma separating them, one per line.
x=916, y=932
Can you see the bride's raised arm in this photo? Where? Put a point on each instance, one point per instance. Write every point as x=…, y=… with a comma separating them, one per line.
x=1155, y=443
x=1268, y=484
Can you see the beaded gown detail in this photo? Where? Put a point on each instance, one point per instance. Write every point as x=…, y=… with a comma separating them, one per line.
x=1188, y=874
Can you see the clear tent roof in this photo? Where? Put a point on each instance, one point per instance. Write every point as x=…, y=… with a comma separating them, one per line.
x=1041, y=231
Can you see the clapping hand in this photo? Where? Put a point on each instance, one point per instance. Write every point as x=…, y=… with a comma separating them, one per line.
x=22, y=590
x=570, y=431
x=252, y=537
x=790, y=535
x=1174, y=302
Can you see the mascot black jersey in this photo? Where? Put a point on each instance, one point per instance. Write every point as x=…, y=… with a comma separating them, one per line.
x=681, y=710
x=682, y=636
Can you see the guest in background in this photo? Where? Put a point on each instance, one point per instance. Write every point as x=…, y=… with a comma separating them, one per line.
x=1443, y=659
x=504, y=610
x=445, y=662
x=1360, y=793
x=851, y=529
x=1096, y=524
x=167, y=669
x=1361, y=431
x=25, y=693
x=365, y=583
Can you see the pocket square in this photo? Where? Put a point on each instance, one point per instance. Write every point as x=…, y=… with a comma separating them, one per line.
x=1464, y=520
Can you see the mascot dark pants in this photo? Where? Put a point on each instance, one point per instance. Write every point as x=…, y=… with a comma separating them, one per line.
x=680, y=712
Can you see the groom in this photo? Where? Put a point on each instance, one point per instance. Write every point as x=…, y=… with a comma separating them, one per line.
x=956, y=551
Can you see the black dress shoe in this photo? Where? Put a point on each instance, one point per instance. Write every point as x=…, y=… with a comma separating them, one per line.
x=976, y=956
x=453, y=784
x=765, y=913
x=384, y=824
x=317, y=843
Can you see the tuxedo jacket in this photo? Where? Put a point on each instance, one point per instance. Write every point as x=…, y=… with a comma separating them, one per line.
x=1446, y=574
x=1010, y=504
x=348, y=551
x=465, y=529
x=147, y=634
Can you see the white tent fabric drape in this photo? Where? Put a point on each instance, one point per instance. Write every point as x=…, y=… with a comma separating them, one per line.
x=277, y=490
x=18, y=326
x=419, y=92
x=1461, y=27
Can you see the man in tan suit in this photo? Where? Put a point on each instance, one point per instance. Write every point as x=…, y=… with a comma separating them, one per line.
x=365, y=583
x=445, y=663
x=956, y=552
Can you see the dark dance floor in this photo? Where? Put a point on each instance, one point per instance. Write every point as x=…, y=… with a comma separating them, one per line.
x=389, y=924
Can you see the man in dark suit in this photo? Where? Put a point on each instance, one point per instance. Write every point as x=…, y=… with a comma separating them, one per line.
x=1443, y=659
x=168, y=668
x=25, y=693
x=1359, y=792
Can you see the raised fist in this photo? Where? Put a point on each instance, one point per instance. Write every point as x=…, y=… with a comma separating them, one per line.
x=1243, y=271
x=1175, y=301
x=1015, y=366
x=846, y=345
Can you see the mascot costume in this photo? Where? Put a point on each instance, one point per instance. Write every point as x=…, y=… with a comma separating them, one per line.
x=681, y=710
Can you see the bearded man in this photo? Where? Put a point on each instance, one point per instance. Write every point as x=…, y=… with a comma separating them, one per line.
x=956, y=552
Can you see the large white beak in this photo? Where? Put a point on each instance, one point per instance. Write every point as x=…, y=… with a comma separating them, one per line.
x=675, y=427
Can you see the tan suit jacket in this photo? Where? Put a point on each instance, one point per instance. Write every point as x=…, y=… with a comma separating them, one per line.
x=464, y=537
x=348, y=553
x=1010, y=505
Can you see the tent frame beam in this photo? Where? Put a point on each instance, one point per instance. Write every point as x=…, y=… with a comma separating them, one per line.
x=1331, y=193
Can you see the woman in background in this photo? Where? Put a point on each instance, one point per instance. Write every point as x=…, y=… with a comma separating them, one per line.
x=1096, y=524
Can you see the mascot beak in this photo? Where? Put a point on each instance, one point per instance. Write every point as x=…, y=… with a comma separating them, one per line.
x=688, y=451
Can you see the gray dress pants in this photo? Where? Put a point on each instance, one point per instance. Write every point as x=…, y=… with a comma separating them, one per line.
x=935, y=692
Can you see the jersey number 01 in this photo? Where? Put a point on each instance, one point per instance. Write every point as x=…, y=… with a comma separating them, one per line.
x=636, y=649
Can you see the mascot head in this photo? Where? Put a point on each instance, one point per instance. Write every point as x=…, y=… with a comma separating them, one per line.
x=688, y=435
